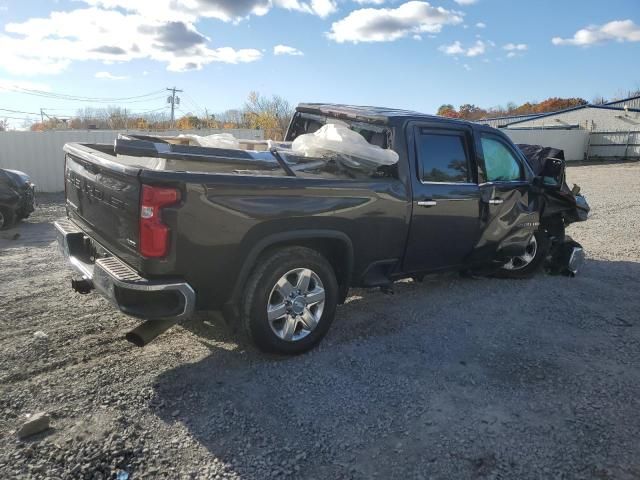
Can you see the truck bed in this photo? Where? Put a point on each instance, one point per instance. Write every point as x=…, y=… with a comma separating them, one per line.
x=230, y=199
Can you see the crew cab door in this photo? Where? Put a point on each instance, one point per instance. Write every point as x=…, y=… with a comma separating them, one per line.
x=445, y=223
x=509, y=209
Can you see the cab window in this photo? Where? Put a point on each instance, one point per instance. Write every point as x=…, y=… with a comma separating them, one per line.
x=443, y=156
x=500, y=163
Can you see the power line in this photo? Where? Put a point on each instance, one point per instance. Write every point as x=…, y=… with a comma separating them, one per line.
x=150, y=111
x=18, y=111
x=194, y=103
x=64, y=96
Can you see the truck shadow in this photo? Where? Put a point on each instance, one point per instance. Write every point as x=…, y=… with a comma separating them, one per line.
x=37, y=231
x=431, y=372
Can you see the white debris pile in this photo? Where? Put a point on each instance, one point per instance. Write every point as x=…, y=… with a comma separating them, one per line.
x=217, y=140
x=337, y=139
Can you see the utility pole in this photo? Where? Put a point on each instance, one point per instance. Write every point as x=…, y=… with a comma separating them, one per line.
x=173, y=100
x=42, y=116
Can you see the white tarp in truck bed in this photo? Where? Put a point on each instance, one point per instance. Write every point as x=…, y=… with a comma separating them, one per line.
x=337, y=139
x=332, y=145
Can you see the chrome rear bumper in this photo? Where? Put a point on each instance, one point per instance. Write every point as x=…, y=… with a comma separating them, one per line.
x=120, y=284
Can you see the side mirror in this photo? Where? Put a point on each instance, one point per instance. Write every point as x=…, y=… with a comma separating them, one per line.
x=552, y=174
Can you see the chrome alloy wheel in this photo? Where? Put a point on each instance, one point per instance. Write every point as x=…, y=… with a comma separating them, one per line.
x=518, y=263
x=295, y=304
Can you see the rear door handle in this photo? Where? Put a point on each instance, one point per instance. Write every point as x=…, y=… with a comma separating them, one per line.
x=495, y=201
x=427, y=203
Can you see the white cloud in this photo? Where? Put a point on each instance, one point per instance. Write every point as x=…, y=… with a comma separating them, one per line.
x=370, y=2
x=225, y=10
x=456, y=48
x=110, y=76
x=465, y=2
x=49, y=45
x=515, y=49
x=286, y=50
x=481, y=25
x=512, y=47
x=389, y=24
x=478, y=48
x=466, y=67
x=417, y=37
x=618, y=30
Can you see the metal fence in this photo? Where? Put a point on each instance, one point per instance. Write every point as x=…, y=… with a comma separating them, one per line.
x=622, y=145
x=40, y=155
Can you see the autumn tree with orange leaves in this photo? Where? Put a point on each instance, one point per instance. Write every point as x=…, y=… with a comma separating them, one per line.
x=473, y=112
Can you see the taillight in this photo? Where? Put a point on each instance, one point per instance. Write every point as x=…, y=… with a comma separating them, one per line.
x=154, y=235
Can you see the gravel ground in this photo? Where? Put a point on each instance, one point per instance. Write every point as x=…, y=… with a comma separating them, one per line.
x=452, y=378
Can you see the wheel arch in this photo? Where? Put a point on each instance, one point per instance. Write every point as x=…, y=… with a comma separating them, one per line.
x=334, y=245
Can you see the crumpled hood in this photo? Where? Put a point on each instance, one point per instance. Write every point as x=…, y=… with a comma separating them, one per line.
x=565, y=199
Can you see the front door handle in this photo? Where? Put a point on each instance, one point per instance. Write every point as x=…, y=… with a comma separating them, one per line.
x=495, y=201
x=427, y=203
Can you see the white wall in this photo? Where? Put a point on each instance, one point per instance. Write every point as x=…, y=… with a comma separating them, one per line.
x=573, y=142
x=40, y=155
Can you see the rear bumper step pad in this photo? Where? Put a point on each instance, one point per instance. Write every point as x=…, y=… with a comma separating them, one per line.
x=114, y=279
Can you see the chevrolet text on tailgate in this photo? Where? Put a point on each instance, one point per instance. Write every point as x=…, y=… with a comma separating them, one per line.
x=274, y=234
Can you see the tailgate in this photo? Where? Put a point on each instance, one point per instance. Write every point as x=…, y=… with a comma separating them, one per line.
x=103, y=198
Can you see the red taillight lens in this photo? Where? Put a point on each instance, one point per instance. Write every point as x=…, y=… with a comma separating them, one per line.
x=154, y=235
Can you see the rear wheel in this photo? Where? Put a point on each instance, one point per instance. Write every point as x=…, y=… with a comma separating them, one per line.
x=290, y=300
x=527, y=264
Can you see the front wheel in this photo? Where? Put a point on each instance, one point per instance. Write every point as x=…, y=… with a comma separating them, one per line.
x=526, y=265
x=290, y=300
x=7, y=218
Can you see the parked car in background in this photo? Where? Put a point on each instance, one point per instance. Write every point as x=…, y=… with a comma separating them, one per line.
x=361, y=197
x=17, y=197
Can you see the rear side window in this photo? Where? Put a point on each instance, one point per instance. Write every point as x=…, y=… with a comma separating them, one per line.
x=501, y=165
x=443, y=157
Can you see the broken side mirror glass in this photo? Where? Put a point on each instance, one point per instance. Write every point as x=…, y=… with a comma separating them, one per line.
x=552, y=174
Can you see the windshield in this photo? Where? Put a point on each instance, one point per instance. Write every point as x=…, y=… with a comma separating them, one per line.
x=19, y=178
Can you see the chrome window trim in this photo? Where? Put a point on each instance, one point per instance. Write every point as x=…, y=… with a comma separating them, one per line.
x=447, y=183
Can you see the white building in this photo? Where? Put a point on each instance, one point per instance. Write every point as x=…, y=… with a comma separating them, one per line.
x=594, y=118
x=631, y=102
x=499, y=122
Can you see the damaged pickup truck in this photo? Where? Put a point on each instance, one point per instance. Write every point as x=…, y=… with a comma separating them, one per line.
x=275, y=234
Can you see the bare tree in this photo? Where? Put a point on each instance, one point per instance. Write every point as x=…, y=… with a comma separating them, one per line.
x=270, y=114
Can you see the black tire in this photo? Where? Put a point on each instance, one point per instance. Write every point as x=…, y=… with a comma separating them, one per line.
x=7, y=218
x=530, y=269
x=259, y=289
